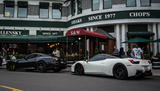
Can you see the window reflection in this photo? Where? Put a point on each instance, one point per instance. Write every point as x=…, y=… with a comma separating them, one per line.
x=107, y=4
x=56, y=10
x=131, y=3
x=145, y=2
x=95, y=5
x=44, y=10
x=9, y=8
x=22, y=9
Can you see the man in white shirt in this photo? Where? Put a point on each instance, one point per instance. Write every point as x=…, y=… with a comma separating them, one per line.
x=56, y=52
x=137, y=52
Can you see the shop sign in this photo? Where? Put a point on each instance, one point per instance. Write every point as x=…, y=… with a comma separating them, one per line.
x=117, y=15
x=14, y=32
x=49, y=33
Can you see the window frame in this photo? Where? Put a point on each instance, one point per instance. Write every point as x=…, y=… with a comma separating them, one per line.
x=132, y=6
x=78, y=7
x=58, y=9
x=92, y=5
x=145, y=5
x=107, y=8
x=4, y=9
x=22, y=7
x=43, y=8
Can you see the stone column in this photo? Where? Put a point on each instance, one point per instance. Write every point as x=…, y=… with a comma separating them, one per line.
x=159, y=35
x=50, y=10
x=124, y=36
x=117, y=34
x=101, y=5
x=76, y=7
x=154, y=27
x=15, y=9
x=150, y=30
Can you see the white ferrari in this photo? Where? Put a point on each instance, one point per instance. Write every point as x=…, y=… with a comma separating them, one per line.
x=120, y=68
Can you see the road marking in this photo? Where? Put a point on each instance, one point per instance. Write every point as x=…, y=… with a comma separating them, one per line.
x=10, y=88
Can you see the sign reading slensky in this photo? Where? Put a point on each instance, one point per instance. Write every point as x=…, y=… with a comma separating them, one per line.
x=14, y=32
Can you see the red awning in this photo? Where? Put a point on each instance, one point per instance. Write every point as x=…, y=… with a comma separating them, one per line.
x=80, y=32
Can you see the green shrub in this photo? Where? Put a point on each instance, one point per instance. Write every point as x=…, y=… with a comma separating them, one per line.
x=146, y=56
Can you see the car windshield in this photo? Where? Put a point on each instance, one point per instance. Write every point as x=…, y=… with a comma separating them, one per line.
x=102, y=57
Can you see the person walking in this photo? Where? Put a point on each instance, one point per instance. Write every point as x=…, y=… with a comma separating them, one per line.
x=116, y=51
x=137, y=52
x=121, y=52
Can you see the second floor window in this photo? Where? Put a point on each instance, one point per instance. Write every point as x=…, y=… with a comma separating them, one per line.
x=107, y=4
x=145, y=3
x=44, y=10
x=95, y=4
x=56, y=10
x=9, y=8
x=22, y=9
x=73, y=7
x=79, y=6
x=131, y=3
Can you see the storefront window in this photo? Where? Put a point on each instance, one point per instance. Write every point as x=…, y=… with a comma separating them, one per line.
x=107, y=4
x=95, y=5
x=145, y=2
x=44, y=10
x=73, y=9
x=131, y=3
x=9, y=9
x=79, y=6
x=56, y=10
x=22, y=9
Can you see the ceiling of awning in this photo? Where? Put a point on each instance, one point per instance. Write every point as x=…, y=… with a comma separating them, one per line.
x=140, y=34
x=33, y=39
x=80, y=32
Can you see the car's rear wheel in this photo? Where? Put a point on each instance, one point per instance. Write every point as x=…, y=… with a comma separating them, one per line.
x=56, y=69
x=41, y=66
x=120, y=72
x=79, y=70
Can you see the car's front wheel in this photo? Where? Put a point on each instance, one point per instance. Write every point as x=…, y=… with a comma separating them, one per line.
x=120, y=72
x=41, y=66
x=79, y=70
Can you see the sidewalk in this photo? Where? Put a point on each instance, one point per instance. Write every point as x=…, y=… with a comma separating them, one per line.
x=156, y=72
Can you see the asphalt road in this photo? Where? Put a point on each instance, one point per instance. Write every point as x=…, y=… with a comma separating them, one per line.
x=65, y=81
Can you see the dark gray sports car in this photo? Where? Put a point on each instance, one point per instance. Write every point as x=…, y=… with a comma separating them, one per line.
x=37, y=61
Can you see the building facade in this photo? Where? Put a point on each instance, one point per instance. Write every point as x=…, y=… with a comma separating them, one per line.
x=123, y=19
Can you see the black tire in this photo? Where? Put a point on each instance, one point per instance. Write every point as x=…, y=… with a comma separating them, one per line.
x=57, y=70
x=79, y=70
x=120, y=72
x=41, y=66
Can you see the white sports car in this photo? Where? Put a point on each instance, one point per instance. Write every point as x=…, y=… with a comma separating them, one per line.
x=120, y=68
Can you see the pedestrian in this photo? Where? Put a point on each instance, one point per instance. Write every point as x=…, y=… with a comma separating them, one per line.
x=121, y=52
x=137, y=52
x=115, y=51
x=56, y=53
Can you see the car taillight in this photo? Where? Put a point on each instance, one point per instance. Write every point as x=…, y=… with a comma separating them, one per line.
x=131, y=60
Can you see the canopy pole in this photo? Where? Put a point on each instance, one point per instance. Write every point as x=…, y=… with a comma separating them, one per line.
x=67, y=47
x=85, y=48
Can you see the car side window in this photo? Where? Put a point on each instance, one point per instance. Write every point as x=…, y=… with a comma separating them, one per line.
x=32, y=56
x=97, y=58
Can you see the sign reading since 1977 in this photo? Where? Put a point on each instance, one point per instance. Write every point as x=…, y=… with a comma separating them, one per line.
x=116, y=15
